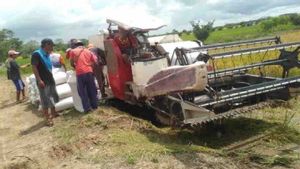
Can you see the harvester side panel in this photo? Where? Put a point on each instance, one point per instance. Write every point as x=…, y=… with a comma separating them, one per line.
x=178, y=78
x=119, y=71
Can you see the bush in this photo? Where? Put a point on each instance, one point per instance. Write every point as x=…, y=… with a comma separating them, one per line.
x=202, y=31
x=267, y=25
x=295, y=19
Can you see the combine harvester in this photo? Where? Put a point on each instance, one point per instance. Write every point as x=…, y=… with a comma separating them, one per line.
x=234, y=79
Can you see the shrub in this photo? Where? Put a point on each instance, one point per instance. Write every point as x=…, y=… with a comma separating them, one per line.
x=202, y=31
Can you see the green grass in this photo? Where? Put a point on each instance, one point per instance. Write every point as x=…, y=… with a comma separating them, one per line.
x=141, y=141
x=240, y=33
x=188, y=37
x=24, y=61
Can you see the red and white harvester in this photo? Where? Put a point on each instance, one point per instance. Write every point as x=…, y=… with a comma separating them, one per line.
x=195, y=91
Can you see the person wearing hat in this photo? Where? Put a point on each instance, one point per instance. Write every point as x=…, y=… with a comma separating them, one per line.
x=83, y=61
x=72, y=45
x=42, y=69
x=13, y=73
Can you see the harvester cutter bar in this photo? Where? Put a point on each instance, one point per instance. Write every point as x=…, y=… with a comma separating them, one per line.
x=229, y=114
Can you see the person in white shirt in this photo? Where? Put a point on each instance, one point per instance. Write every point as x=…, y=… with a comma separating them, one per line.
x=57, y=61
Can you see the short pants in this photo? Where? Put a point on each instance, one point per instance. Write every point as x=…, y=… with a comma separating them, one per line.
x=19, y=84
x=48, y=96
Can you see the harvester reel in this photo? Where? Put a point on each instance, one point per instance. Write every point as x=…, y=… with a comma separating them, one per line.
x=291, y=60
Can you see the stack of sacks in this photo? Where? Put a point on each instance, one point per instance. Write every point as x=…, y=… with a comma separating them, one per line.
x=32, y=89
x=63, y=90
x=62, y=87
x=72, y=81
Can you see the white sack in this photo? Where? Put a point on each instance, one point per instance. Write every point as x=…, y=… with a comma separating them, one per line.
x=64, y=104
x=63, y=90
x=60, y=78
x=72, y=81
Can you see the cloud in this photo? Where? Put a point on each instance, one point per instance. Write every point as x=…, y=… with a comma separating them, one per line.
x=33, y=19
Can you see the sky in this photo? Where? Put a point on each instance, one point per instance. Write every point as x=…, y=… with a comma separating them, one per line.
x=66, y=19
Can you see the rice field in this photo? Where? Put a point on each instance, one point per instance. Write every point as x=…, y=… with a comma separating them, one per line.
x=248, y=59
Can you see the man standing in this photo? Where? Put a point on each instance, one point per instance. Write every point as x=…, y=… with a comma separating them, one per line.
x=42, y=69
x=13, y=73
x=98, y=68
x=83, y=60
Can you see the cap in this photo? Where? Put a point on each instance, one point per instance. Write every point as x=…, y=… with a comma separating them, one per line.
x=78, y=42
x=75, y=42
x=47, y=41
x=13, y=52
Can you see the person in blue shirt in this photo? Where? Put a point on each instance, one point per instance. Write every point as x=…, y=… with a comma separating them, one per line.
x=42, y=69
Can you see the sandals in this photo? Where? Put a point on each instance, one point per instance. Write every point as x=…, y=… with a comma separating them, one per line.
x=49, y=122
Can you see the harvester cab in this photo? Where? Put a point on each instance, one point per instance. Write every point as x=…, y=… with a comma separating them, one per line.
x=148, y=77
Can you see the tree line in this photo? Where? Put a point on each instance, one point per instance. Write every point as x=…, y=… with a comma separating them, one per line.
x=9, y=41
x=269, y=24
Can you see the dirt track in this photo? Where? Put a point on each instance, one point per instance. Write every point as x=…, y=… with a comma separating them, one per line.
x=26, y=143
x=22, y=131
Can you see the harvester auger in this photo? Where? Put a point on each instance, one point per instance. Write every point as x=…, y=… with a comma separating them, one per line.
x=211, y=87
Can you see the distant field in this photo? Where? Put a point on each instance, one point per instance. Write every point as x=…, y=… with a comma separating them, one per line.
x=242, y=33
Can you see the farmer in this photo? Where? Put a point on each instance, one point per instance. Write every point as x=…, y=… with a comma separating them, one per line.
x=98, y=68
x=42, y=69
x=72, y=45
x=83, y=61
x=126, y=42
x=13, y=73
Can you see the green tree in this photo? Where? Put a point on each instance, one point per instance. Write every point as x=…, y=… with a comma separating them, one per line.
x=272, y=24
x=7, y=42
x=202, y=31
x=60, y=45
x=29, y=47
x=295, y=19
x=267, y=25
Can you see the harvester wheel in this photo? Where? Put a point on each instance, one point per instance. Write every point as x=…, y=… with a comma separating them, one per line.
x=176, y=110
